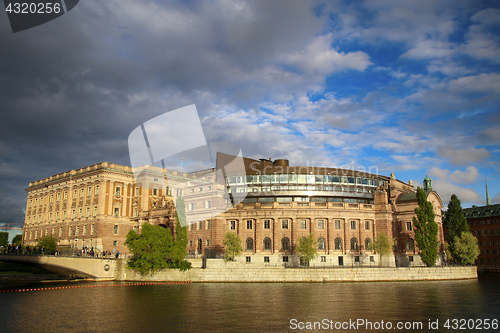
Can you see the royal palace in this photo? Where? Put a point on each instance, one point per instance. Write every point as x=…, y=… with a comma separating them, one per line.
x=269, y=204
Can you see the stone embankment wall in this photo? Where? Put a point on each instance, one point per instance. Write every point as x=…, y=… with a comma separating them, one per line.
x=235, y=272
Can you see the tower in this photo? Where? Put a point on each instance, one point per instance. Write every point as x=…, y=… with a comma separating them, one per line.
x=427, y=183
x=488, y=201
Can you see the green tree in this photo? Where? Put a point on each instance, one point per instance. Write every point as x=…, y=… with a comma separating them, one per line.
x=426, y=229
x=180, y=208
x=154, y=249
x=232, y=246
x=4, y=238
x=49, y=244
x=466, y=248
x=455, y=223
x=307, y=248
x=17, y=240
x=381, y=245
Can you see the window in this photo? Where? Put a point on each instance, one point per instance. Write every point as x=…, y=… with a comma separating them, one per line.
x=51, y=198
x=284, y=224
x=191, y=206
x=285, y=259
x=249, y=244
x=155, y=191
x=303, y=224
x=85, y=229
x=368, y=244
x=87, y=212
x=354, y=244
x=96, y=190
x=356, y=259
x=60, y=231
x=82, y=192
x=410, y=258
x=208, y=204
x=95, y=211
x=80, y=213
x=408, y=226
x=267, y=244
x=410, y=245
x=117, y=191
x=89, y=192
x=208, y=224
x=115, y=229
x=372, y=259
x=200, y=225
x=115, y=243
x=249, y=224
x=248, y=259
x=285, y=244
x=367, y=225
x=338, y=243
x=50, y=216
x=135, y=212
x=232, y=225
x=117, y=211
x=190, y=243
x=497, y=232
x=337, y=224
x=353, y=225
x=266, y=259
x=267, y=224
x=491, y=232
x=92, y=229
x=321, y=243
x=74, y=194
x=72, y=214
x=321, y=224
x=323, y=258
x=208, y=242
x=77, y=230
x=57, y=215
x=484, y=232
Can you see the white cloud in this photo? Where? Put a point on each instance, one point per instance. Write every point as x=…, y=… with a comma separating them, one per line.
x=446, y=189
x=465, y=177
x=320, y=58
x=463, y=156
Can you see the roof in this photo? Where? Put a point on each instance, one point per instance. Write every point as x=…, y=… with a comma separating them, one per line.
x=412, y=196
x=482, y=211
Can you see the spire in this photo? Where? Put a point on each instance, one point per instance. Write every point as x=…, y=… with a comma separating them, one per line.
x=488, y=201
x=427, y=183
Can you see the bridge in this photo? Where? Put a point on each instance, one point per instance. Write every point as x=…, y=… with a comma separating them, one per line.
x=69, y=267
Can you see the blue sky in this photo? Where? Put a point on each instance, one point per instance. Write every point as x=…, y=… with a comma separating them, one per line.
x=405, y=87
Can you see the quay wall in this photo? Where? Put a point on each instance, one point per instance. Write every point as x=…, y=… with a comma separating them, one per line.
x=232, y=272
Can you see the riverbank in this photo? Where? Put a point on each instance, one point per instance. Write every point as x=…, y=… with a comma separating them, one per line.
x=235, y=272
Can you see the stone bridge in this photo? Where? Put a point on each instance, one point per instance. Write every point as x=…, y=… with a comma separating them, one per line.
x=70, y=267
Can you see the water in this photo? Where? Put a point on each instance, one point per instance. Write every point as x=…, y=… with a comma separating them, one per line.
x=246, y=307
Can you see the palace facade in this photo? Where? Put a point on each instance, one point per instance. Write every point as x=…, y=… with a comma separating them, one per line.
x=269, y=204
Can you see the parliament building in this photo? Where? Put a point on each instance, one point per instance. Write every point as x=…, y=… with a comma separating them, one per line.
x=269, y=204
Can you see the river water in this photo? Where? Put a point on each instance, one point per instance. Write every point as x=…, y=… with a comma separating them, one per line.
x=252, y=307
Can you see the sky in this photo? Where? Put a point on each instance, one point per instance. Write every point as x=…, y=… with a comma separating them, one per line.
x=410, y=87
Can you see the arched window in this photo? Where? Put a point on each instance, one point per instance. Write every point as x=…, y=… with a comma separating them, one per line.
x=354, y=244
x=267, y=244
x=368, y=244
x=410, y=245
x=321, y=243
x=249, y=244
x=285, y=244
x=338, y=243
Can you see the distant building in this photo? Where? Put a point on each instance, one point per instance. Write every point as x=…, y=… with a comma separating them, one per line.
x=483, y=223
x=345, y=210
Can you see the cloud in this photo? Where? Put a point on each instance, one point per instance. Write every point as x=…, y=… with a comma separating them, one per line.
x=463, y=156
x=447, y=189
x=467, y=177
x=320, y=58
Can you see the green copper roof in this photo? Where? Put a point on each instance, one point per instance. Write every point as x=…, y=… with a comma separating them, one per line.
x=482, y=211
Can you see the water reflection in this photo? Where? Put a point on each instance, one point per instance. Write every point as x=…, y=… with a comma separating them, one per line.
x=243, y=307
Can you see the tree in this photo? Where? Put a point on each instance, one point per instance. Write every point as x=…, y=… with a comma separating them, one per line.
x=307, y=248
x=17, y=240
x=455, y=223
x=180, y=208
x=49, y=244
x=426, y=229
x=232, y=246
x=154, y=249
x=382, y=245
x=4, y=238
x=466, y=248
